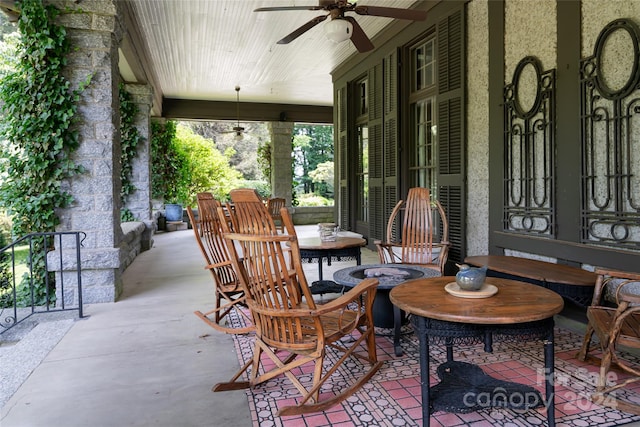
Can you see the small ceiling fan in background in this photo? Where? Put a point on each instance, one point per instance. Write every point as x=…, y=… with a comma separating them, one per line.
x=237, y=129
x=342, y=27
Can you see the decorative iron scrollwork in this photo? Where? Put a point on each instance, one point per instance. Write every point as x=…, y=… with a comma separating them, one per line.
x=8, y=321
x=610, y=111
x=529, y=150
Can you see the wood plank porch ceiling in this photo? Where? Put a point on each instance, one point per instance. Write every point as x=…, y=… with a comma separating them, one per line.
x=199, y=50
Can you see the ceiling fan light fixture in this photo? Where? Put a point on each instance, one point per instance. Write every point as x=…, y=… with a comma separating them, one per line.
x=238, y=129
x=338, y=30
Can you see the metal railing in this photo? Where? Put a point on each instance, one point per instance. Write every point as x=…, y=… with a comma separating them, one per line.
x=48, y=279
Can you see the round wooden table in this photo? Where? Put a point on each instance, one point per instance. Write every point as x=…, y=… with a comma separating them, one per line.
x=517, y=310
x=344, y=248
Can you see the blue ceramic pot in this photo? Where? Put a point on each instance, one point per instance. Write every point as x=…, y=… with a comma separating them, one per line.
x=470, y=278
x=173, y=212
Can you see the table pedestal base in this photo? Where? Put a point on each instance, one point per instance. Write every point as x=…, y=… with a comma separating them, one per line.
x=450, y=333
x=465, y=387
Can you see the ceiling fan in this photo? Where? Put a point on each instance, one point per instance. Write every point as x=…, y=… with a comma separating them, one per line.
x=342, y=27
x=238, y=130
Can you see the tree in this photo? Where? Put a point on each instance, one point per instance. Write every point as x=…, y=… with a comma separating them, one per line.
x=207, y=169
x=245, y=149
x=323, y=177
x=312, y=145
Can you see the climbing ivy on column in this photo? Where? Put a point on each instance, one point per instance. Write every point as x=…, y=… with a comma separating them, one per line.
x=129, y=140
x=38, y=106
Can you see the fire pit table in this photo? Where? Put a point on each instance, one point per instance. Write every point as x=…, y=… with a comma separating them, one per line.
x=385, y=314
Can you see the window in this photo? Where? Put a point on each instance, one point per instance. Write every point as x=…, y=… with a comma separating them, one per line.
x=423, y=66
x=423, y=149
x=362, y=173
x=363, y=102
x=423, y=160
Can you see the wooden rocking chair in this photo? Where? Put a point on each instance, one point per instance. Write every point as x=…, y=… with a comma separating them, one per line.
x=228, y=292
x=291, y=330
x=424, y=233
x=617, y=328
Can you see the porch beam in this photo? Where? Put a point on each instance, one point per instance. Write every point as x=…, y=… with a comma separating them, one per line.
x=188, y=109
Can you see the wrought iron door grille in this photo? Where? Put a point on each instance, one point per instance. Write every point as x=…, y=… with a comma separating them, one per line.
x=528, y=206
x=610, y=114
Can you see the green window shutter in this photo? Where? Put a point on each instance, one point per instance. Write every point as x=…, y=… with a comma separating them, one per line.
x=376, y=215
x=342, y=160
x=451, y=133
x=391, y=155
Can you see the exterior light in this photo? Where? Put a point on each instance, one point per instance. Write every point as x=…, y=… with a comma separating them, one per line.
x=338, y=30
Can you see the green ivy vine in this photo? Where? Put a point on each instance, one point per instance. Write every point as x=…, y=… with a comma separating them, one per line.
x=166, y=162
x=264, y=160
x=39, y=107
x=129, y=140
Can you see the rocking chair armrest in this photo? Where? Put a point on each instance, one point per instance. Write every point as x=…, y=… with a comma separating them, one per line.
x=368, y=286
x=259, y=237
x=218, y=264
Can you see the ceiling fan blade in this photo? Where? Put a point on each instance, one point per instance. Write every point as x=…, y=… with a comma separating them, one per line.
x=359, y=38
x=281, y=8
x=391, y=12
x=301, y=30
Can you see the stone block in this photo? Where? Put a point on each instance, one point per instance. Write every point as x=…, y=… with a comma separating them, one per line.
x=82, y=39
x=95, y=113
x=175, y=226
x=103, y=7
x=103, y=23
x=104, y=130
x=80, y=59
x=90, y=259
x=75, y=21
x=98, y=286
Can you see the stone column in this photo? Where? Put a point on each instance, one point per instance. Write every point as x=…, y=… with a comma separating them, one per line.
x=139, y=202
x=281, y=149
x=94, y=31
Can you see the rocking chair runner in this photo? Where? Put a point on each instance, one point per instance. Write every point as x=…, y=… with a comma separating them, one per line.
x=291, y=330
x=228, y=292
x=614, y=327
x=424, y=233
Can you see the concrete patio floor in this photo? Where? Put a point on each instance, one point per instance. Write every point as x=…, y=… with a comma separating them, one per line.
x=145, y=360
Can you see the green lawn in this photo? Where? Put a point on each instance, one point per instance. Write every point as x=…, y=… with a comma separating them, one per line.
x=20, y=253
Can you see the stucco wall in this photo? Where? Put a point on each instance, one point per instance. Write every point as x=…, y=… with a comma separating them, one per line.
x=530, y=29
x=596, y=14
x=477, y=130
